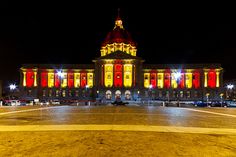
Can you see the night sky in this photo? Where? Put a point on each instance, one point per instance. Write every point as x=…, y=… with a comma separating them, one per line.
x=72, y=33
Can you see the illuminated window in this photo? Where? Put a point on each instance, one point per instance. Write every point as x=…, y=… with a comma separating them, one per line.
x=167, y=80
x=64, y=80
x=44, y=79
x=146, y=80
x=50, y=93
x=153, y=80
x=57, y=80
x=90, y=80
x=196, y=79
x=64, y=93
x=76, y=80
x=70, y=80
x=188, y=80
x=160, y=80
x=44, y=93
x=118, y=75
x=108, y=75
x=212, y=79
x=83, y=82
x=50, y=79
x=128, y=75
x=57, y=93
x=29, y=78
x=174, y=83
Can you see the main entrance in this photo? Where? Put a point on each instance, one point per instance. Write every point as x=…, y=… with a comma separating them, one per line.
x=118, y=94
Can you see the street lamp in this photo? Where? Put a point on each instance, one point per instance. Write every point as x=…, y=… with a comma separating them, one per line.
x=150, y=91
x=60, y=74
x=221, y=98
x=177, y=77
x=230, y=86
x=229, y=91
x=207, y=97
x=12, y=89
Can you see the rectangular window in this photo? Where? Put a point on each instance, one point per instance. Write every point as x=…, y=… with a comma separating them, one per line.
x=188, y=80
x=29, y=78
x=70, y=80
x=44, y=79
x=108, y=75
x=50, y=79
x=174, y=83
x=83, y=79
x=128, y=75
x=146, y=80
x=64, y=93
x=76, y=80
x=64, y=80
x=160, y=80
x=153, y=79
x=167, y=80
x=212, y=79
x=90, y=80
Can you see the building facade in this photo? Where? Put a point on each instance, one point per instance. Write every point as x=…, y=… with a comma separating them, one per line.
x=120, y=73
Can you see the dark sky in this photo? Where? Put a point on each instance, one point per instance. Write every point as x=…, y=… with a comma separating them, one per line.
x=72, y=33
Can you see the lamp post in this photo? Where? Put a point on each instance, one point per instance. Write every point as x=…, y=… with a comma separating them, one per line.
x=207, y=97
x=138, y=95
x=12, y=88
x=221, y=98
x=229, y=90
x=150, y=91
x=177, y=76
x=60, y=75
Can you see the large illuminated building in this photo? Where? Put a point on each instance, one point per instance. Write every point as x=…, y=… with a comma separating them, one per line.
x=118, y=72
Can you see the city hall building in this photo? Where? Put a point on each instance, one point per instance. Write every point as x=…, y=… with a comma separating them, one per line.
x=120, y=73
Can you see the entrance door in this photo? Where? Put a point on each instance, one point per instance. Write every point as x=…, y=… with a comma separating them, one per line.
x=127, y=95
x=118, y=94
x=108, y=95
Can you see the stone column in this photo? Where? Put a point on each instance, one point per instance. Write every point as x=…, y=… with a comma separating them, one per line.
x=217, y=79
x=35, y=78
x=205, y=79
x=24, y=78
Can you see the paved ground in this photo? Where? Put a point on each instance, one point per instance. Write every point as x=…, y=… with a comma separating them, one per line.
x=117, y=131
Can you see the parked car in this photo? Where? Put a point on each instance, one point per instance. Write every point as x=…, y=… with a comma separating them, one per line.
x=230, y=103
x=12, y=102
x=218, y=104
x=201, y=104
x=55, y=102
x=26, y=103
x=44, y=102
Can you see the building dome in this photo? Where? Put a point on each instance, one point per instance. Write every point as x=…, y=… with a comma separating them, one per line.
x=118, y=35
x=118, y=39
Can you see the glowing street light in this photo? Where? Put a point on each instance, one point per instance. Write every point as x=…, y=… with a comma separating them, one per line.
x=60, y=74
x=177, y=75
x=12, y=87
x=230, y=86
x=150, y=86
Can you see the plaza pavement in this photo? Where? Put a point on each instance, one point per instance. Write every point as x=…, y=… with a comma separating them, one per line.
x=127, y=130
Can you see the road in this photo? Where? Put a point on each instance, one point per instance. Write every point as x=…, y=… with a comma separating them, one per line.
x=117, y=131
